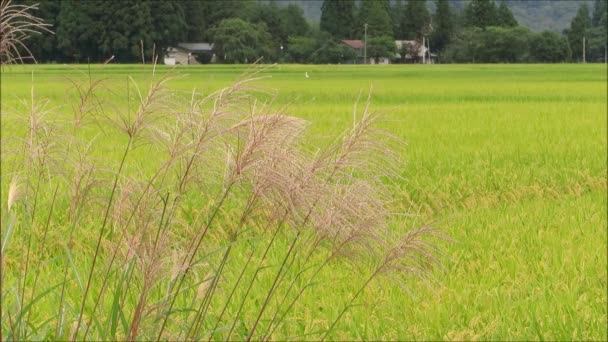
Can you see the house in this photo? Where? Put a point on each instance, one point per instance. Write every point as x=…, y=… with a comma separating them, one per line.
x=408, y=51
x=357, y=46
x=189, y=53
x=413, y=51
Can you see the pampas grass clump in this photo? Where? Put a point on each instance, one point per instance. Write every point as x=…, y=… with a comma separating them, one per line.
x=215, y=233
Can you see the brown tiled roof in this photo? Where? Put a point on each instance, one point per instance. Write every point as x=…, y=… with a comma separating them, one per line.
x=355, y=44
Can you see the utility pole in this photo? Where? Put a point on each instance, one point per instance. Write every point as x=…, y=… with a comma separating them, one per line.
x=424, y=48
x=365, y=45
x=428, y=43
x=584, y=59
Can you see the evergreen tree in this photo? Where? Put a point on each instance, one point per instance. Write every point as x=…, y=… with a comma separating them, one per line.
x=598, y=35
x=417, y=18
x=78, y=30
x=382, y=46
x=296, y=24
x=578, y=30
x=504, y=16
x=480, y=13
x=169, y=23
x=131, y=26
x=338, y=18
x=237, y=41
x=195, y=17
x=443, y=25
x=273, y=19
x=548, y=47
x=398, y=16
x=599, y=10
x=375, y=15
x=43, y=45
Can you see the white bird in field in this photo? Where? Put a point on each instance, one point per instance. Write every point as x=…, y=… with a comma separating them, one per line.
x=306, y=74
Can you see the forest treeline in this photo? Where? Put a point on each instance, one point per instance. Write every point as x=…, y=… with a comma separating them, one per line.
x=484, y=31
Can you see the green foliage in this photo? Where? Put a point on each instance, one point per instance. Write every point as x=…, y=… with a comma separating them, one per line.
x=480, y=13
x=376, y=15
x=237, y=41
x=443, y=25
x=597, y=35
x=44, y=45
x=273, y=19
x=295, y=23
x=504, y=45
x=581, y=23
x=301, y=48
x=78, y=33
x=169, y=22
x=338, y=18
x=83, y=33
x=383, y=46
x=399, y=19
x=332, y=52
x=417, y=19
x=464, y=47
x=492, y=45
x=600, y=7
x=504, y=16
x=548, y=47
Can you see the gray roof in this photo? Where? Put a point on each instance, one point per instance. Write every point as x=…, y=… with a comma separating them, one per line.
x=196, y=46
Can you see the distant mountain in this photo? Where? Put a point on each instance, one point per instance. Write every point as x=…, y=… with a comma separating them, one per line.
x=537, y=15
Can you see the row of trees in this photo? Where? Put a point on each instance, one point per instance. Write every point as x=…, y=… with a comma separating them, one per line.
x=485, y=31
x=244, y=30
x=97, y=29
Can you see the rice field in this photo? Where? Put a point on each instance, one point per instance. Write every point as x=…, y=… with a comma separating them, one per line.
x=509, y=160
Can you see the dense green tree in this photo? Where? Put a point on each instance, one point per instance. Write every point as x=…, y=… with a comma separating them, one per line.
x=301, y=48
x=598, y=35
x=504, y=45
x=504, y=16
x=195, y=17
x=464, y=47
x=492, y=45
x=237, y=41
x=169, y=23
x=375, y=13
x=578, y=31
x=273, y=19
x=295, y=23
x=43, y=45
x=599, y=11
x=383, y=46
x=131, y=27
x=398, y=17
x=332, y=52
x=79, y=30
x=213, y=12
x=338, y=18
x=480, y=13
x=548, y=47
x=443, y=25
x=417, y=19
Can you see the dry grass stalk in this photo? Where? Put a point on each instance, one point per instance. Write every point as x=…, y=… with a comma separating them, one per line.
x=17, y=23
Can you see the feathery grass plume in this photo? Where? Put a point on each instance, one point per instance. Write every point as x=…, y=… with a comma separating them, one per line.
x=17, y=23
x=227, y=174
x=14, y=193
